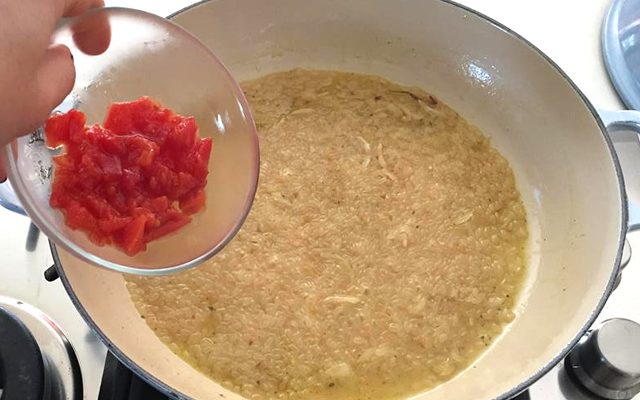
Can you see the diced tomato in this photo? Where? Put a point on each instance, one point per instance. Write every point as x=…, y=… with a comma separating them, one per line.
x=184, y=135
x=142, y=116
x=199, y=159
x=132, y=180
x=193, y=202
x=185, y=183
x=99, y=207
x=126, y=118
x=78, y=217
x=61, y=128
x=166, y=228
x=108, y=226
x=159, y=204
x=142, y=151
x=132, y=236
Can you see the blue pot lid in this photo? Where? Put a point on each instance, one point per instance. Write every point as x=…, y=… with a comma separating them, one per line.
x=621, y=49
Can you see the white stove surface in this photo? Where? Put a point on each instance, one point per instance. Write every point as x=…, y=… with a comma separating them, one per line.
x=21, y=272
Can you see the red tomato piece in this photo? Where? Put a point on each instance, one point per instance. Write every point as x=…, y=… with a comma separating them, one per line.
x=166, y=228
x=131, y=237
x=136, y=178
x=108, y=226
x=61, y=128
x=193, y=202
x=159, y=204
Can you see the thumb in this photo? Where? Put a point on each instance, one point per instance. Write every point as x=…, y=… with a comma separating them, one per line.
x=53, y=81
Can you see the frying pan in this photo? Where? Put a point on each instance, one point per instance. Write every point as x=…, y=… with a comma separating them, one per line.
x=558, y=145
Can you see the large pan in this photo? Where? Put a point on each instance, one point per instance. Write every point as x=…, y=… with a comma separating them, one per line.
x=564, y=162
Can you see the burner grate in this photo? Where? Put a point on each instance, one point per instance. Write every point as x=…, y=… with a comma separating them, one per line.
x=21, y=365
x=119, y=383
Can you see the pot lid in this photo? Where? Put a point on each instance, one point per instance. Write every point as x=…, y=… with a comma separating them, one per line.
x=621, y=49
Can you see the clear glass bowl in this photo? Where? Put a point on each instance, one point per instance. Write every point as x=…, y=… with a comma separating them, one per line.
x=149, y=56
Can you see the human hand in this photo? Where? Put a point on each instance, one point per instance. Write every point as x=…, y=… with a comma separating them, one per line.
x=36, y=76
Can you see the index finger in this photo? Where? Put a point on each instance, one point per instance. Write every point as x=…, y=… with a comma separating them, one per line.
x=73, y=8
x=91, y=31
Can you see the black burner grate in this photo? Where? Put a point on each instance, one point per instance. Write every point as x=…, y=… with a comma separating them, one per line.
x=21, y=365
x=119, y=383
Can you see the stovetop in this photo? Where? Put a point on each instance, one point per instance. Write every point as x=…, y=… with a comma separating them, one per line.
x=24, y=263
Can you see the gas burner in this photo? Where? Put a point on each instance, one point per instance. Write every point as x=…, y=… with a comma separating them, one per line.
x=37, y=361
x=606, y=362
x=118, y=382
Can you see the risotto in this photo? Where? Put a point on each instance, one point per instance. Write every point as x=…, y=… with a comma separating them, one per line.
x=384, y=252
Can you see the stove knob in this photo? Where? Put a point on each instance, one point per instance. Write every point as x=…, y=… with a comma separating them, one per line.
x=607, y=361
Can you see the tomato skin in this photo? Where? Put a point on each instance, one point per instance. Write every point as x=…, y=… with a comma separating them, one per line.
x=138, y=177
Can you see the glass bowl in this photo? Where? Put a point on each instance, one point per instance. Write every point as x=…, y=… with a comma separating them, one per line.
x=149, y=56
